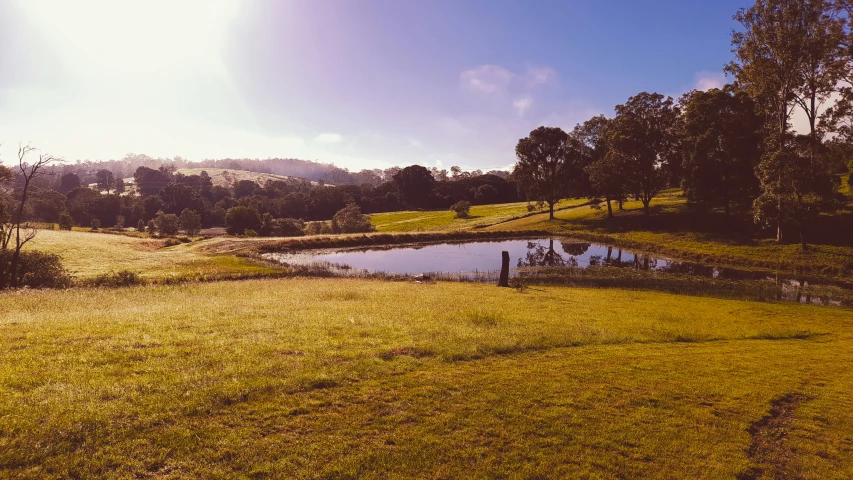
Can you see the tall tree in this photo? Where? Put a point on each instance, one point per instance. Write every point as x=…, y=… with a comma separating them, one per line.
x=68, y=182
x=769, y=65
x=605, y=176
x=105, y=180
x=721, y=135
x=807, y=188
x=544, y=170
x=642, y=136
x=416, y=184
x=823, y=64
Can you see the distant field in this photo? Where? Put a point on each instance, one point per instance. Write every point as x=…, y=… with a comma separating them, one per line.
x=481, y=216
x=87, y=254
x=226, y=177
x=350, y=378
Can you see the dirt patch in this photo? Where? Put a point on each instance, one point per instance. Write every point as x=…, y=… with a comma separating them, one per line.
x=769, y=449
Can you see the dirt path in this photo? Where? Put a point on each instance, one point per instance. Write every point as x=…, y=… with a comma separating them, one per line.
x=769, y=449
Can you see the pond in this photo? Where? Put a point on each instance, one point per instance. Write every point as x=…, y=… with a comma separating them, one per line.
x=481, y=260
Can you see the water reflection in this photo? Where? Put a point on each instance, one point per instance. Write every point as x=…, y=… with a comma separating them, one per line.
x=484, y=256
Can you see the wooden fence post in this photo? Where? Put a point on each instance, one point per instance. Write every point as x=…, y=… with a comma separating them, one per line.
x=504, y=280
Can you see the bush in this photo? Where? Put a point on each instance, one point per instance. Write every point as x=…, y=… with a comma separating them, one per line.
x=119, y=222
x=240, y=219
x=250, y=233
x=286, y=227
x=124, y=278
x=96, y=224
x=140, y=227
x=350, y=220
x=461, y=208
x=152, y=228
x=37, y=269
x=65, y=221
x=318, y=228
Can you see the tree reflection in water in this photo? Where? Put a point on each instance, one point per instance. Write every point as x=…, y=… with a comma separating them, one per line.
x=539, y=255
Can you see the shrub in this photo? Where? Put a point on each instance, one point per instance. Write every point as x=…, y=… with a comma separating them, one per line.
x=119, y=222
x=124, y=278
x=318, y=228
x=190, y=222
x=461, y=208
x=140, y=227
x=37, y=269
x=65, y=221
x=350, y=220
x=152, y=228
x=240, y=219
x=250, y=233
x=96, y=224
x=286, y=227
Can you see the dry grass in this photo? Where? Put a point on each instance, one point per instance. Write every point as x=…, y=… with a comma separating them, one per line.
x=89, y=254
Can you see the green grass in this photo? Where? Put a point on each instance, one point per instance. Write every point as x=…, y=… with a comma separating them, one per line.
x=88, y=254
x=433, y=221
x=367, y=379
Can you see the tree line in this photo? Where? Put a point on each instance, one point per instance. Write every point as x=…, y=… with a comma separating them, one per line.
x=726, y=147
x=65, y=199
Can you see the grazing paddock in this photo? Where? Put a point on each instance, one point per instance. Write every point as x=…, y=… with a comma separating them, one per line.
x=340, y=378
x=89, y=254
x=480, y=216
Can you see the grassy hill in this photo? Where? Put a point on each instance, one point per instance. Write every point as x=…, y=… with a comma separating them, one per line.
x=480, y=216
x=89, y=254
x=348, y=378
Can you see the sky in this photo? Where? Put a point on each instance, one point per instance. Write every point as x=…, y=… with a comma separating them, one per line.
x=361, y=84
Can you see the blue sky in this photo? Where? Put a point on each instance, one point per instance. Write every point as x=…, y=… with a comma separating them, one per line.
x=364, y=84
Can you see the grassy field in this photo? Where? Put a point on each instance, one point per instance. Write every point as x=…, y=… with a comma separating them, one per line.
x=367, y=379
x=481, y=216
x=89, y=254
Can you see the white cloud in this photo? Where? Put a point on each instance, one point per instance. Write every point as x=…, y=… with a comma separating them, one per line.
x=540, y=76
x=522, y=105
x=708, y=80
x=329, y=138
x=487, y=79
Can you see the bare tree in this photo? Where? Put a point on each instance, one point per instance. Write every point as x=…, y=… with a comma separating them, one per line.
x=28, y=173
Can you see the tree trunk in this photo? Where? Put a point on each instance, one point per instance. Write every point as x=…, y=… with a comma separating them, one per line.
x=609, y=209
x=803, y=239
x=550, y=210
x=620, y=205
x=646, y=207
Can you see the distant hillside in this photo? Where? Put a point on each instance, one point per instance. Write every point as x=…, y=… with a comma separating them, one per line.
x=226, y=177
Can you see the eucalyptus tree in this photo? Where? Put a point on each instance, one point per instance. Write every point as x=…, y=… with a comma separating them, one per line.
x=823, y=64
x=769, y=66
x=720, y=139
x=789, y=55
x=606, y=176
x=547, y=169
x=642, y=139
